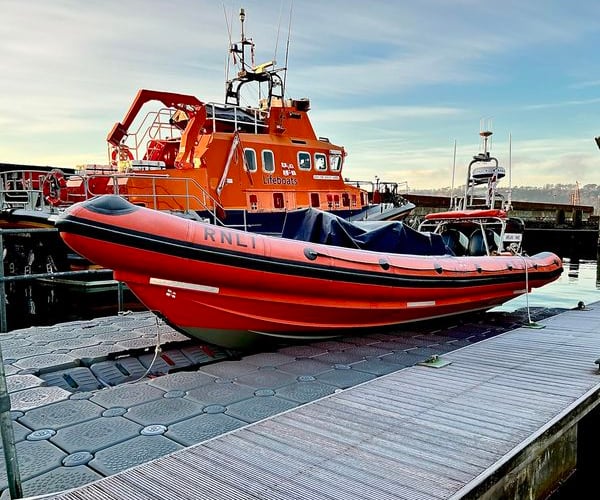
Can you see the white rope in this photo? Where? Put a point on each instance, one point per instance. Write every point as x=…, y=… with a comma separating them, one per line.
x=527, y=288
x=157, y=351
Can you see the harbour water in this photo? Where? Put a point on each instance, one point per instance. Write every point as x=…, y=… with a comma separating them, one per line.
x=580, y=282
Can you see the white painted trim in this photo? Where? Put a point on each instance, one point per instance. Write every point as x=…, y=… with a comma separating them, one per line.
x=426, y=303
x=184, y=285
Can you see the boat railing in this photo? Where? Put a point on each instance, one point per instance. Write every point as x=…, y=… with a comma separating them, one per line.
x=160, y=125
x=157, y=197
x=249, y=119
x=22, y=189
x=493, y=233
x=155, y=126
x=382, y=192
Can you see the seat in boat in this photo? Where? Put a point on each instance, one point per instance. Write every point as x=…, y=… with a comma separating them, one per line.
x=477, y=245
x=456, y=241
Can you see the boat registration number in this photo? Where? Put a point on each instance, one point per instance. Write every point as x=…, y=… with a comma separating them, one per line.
x=513, y=237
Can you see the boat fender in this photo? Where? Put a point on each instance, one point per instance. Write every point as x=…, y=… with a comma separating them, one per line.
x=310, y=254
x=53, y=187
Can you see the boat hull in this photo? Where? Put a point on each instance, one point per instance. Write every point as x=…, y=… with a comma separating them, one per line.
x=219, y=284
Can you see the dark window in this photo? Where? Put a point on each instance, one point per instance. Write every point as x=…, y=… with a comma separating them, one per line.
x=278, y=200
x=304, y=161
x=335, y=162
x=320, y=162
x=250, y=159
x=268, y=161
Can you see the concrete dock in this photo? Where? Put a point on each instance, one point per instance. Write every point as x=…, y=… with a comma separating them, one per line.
x=359, y=417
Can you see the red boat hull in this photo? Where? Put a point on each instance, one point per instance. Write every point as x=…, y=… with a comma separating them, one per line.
x=219, y=284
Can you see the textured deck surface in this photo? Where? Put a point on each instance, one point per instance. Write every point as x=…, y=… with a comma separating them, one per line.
x=416, y=433
x=89, y=399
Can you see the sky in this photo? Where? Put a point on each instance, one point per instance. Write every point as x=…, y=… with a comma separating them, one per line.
x=398, y=84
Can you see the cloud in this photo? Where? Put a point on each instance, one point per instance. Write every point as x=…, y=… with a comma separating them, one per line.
x=392, y=81
x=588, y=84
x=580, y=102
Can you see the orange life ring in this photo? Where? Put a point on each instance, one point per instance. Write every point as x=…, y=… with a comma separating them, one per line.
x=119, y=154
x=54, y=187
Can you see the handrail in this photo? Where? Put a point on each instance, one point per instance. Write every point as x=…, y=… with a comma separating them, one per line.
x=23, y=189
x=238, y=111
x=160, y=125
x=18, y=189
x=157, y=128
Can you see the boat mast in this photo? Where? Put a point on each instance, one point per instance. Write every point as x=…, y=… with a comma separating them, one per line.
x=260, y=73
x=453, y=172
x=509, y=202
x=492, y=178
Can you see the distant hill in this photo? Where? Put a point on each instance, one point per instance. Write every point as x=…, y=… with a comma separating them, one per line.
x=589, y=194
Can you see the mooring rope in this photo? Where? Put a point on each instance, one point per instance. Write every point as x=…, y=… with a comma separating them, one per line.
x=157, y=351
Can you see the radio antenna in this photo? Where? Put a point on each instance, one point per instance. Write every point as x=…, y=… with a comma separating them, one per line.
x=453, y=172
x=287, y=51
x=230, y=42
x=278, y=31
x=509, y=171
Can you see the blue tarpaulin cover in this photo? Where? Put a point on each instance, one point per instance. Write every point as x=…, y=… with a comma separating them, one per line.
x=317, y=226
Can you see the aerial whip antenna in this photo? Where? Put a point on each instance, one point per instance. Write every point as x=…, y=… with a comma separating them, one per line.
x=509, y=171
x=287, y=51
x=230, y=42
x=278, y=31
x=453, y=171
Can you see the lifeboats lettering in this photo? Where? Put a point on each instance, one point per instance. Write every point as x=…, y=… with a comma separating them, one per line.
x=279, y=181
x=241, y=240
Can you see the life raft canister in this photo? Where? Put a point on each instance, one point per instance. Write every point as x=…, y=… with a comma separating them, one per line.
x=54, y=187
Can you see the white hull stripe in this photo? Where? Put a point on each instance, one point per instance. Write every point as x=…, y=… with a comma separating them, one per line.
x=427, y=303
x=184, y=285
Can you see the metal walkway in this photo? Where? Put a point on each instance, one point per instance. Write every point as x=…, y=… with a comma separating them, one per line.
x=419, y=433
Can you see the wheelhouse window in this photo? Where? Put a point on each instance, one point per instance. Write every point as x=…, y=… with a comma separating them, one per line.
x=320, y=162
x=304, y=161
x=315, y=201
x=335, y=162
x=268, y=161
x=250, y=159
x=346, y=199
